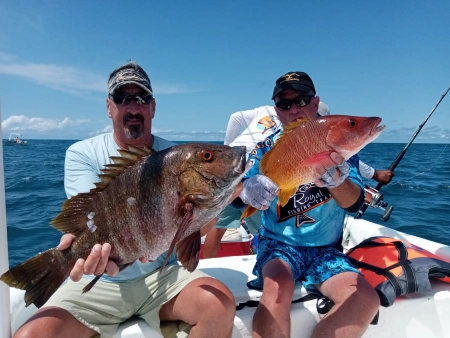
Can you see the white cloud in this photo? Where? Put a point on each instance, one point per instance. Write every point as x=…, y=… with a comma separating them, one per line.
x=216, y=136
x=107, y=129
x=70, y=79
x=63, y=78
x=39, y=124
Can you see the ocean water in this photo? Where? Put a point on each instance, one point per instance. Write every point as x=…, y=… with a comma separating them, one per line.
x=34, y=184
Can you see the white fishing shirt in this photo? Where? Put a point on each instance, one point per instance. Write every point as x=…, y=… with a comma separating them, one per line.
x=83, y=162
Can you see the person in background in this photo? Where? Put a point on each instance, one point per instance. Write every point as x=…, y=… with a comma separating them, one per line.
x=204, y=303
x=381, y=176
x=301, y=239
x=229, y=221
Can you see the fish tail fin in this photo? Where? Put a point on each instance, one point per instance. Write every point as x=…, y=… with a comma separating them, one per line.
x=39, y=276
x=248, y=211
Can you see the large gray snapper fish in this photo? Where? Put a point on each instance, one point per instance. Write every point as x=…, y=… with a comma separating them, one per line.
x=145, y=204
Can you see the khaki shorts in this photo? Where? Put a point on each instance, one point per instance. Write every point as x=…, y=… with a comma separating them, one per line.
x=107, y=304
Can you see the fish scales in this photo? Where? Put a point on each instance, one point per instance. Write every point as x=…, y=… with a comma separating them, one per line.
x=142, y=210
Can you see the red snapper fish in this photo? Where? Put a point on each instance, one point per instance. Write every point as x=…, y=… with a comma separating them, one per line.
x=306, y=142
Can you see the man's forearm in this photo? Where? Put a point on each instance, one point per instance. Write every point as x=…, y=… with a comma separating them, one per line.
x=348, y=195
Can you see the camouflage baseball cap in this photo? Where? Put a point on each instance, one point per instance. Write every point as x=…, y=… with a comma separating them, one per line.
x=129, y=73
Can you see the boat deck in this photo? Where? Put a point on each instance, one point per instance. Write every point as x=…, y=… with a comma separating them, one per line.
x=415, y=315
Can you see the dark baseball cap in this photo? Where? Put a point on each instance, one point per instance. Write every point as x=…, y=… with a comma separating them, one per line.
x=129, y=73
x=295, y=81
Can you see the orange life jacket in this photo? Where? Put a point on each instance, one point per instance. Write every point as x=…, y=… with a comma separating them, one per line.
x=394, y=267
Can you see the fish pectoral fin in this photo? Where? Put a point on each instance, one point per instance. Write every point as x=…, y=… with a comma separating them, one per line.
x=188, y=251
x=321, y=158
x=285, y=195
x=187, y=213
x=91, y=284
x=248, y=211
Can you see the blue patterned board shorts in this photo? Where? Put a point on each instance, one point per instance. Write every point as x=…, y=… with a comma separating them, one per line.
x=310, y=265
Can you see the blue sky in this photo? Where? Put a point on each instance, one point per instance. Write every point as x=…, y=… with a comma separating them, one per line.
x=209, y=59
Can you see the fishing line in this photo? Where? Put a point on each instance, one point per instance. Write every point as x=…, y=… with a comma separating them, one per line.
x=407, y=180
x=402, y=153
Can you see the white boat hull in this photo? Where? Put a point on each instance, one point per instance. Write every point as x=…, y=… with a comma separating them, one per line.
x=416, y=315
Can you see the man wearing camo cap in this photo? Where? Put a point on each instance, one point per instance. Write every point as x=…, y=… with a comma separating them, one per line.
x=205, y=306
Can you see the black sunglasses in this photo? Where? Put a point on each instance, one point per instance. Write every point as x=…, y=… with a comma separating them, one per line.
x=126, y=98
x=300, y=101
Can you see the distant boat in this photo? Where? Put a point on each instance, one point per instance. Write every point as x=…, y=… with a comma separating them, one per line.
x=16, y=138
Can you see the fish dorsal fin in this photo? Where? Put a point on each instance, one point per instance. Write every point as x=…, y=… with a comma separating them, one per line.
x=74, y=215
x=286, y=131
x=127, y=159
x=293, y=125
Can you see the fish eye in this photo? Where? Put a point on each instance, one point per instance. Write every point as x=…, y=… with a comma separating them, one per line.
x=352, y=123
x=207, y=155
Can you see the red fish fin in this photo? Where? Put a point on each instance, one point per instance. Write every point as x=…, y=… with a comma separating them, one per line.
x=291, y=126
x=40, y=276
x=187, y=219
x=295, y=124
x=248, y=211
x=321, y=158
x=188, y=251
x=285, y=195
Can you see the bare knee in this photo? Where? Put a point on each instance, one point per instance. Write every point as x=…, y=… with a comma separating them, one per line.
x=371, y=299
x=53, y=322
x=361, y=298
x=278, y=282
x=217, y=301
x=25, y=331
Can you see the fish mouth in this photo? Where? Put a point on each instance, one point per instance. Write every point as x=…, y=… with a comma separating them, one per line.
x=242, y=167
x=377, y=129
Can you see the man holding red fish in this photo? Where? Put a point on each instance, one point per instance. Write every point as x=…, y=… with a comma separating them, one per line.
x=302, y=224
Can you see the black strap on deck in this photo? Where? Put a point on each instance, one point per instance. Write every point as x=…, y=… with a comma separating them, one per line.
x=323, y=305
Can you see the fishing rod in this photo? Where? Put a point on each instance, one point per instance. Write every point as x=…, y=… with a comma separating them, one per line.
x=376, y=198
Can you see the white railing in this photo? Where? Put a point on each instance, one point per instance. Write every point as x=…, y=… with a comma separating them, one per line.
x=5, y=317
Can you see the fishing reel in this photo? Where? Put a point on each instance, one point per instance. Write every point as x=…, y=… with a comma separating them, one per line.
x=374, y=199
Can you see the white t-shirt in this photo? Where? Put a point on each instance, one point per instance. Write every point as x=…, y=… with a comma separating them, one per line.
x=84, y=159
x=242, y=119
x=263, y=124
x=365, y=170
